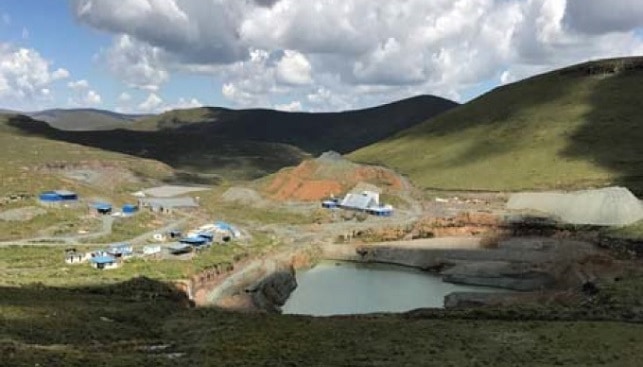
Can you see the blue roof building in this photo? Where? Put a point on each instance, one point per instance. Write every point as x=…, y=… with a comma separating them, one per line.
x=130, y=209
x=103, y=262
x=57, y=196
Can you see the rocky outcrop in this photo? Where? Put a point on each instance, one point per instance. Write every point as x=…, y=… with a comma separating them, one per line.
x=272, y=292
x=514, y=276
x=475, y=299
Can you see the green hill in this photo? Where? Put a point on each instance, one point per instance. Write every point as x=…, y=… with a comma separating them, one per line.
x=207, y=144
x=576, y=127
x=311, y=132
x=27, y=156
x=85, y=119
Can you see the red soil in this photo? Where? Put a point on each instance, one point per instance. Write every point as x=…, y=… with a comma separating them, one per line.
x=314, y=181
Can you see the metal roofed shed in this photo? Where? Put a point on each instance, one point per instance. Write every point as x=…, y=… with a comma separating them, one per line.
x=362, y=201
x=57, y=197
x=121, y=250
x=103, y=208
x=195, y=241
x=382, y=211
x=180, y=248
x=129, y=209
x=104, y=262
x=330, y=204
x=223, y=227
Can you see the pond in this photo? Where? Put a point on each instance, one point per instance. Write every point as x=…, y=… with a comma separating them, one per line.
x=337, y=288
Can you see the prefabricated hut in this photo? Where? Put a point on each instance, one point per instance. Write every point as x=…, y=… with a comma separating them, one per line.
x=151, y=250
x=360, y=201
x=121, y=250
x=104, y=262
x=103, y=208
x=57, y=197
x=129, y=209
x=76, y=257
x=180, y=249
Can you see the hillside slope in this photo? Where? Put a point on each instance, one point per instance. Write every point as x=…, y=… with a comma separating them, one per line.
x=31, y=162
x=208, y=144
x=311, y=132
x=84, y=119
x=576, y=127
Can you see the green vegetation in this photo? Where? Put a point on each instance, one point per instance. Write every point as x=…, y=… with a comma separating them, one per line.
x=119, y=324
x=85, y=119
x=56, y=222
x=124, y=229
x=23, y=265
x=571, y=128
x=633, y=231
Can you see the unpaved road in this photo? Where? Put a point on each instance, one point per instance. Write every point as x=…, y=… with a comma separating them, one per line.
x=106, y=230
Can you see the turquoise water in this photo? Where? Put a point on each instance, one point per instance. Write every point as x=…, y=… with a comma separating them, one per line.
x=336, y=288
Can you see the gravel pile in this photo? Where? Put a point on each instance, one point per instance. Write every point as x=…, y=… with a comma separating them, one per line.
x=331, y=156
x=611, y=206
x=242, y=195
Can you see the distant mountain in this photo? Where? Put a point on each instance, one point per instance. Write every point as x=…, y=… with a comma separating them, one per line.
x=85, y=119
x=247, y=144
x=576, y=127
x=311, y=132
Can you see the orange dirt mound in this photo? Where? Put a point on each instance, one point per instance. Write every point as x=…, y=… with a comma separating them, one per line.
x=314, y=181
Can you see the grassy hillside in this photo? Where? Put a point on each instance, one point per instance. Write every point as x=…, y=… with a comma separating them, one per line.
x=311, y=132
x=28, y=158
x=85, y=119
x=576, y=127
x=147, y=323
x=208, y=144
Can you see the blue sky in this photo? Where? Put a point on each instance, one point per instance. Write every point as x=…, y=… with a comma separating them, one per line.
x=153, y=55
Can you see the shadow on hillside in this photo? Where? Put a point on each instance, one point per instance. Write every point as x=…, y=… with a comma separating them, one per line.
x=612, y=133
x=248, y=144
x=126, y=313
x=196, y=155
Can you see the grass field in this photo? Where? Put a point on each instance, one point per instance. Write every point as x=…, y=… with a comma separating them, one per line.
x=574, y=128
x=143, y=322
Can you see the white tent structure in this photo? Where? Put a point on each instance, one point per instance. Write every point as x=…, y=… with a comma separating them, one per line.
x=361, y=201
x=611, y=206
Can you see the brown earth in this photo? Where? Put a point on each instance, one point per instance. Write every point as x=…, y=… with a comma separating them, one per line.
x=314, y=180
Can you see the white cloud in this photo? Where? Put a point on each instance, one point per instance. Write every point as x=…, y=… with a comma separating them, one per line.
x=294, y=68
x=25, y=76
x=25, y=33
x=183, y=103
x=154, y=103
x=354, y=53
x=60, y=73
x=151, y=104
x=92, y=98
x=138, y=64
x=293, y=106
x=124, y=97
x=78, y=84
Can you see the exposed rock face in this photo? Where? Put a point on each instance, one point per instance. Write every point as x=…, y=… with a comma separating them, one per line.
x=273, y=292
x=475, y=299
x=515, y=276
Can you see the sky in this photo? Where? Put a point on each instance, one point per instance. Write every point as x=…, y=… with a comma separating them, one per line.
x=148, y=56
